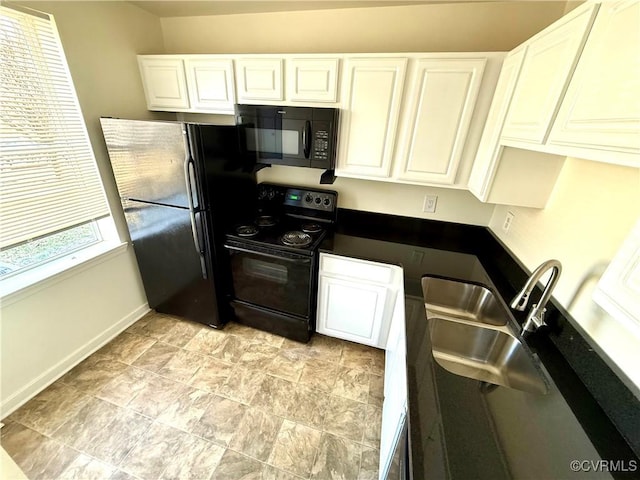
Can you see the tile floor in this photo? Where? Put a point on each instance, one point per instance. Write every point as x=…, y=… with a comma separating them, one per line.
x=171, y=399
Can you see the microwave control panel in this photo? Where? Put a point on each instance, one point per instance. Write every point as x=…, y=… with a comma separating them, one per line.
x=321, y=141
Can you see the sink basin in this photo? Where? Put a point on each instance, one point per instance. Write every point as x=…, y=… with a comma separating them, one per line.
x=466, y=301
x=471, y=336
x=484, y=354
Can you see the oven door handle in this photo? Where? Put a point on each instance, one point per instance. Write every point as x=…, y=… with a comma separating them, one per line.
x=287, y=256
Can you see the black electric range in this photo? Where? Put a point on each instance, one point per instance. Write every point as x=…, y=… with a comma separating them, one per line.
x=274, y=259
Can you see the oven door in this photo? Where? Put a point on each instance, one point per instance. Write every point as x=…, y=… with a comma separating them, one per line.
x=278, y=280
x=276, y=139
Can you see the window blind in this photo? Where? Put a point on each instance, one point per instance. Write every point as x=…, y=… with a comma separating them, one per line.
x=49, y=180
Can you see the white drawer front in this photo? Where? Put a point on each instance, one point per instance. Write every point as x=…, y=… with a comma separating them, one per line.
x=362, y=269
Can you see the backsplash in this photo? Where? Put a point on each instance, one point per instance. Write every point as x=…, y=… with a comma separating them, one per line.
x=591, y=211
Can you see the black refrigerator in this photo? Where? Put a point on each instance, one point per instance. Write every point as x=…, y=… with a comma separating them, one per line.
x=181, y=187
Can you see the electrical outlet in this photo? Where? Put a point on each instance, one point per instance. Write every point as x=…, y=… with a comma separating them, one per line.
x=508, y=220
x=430, y=203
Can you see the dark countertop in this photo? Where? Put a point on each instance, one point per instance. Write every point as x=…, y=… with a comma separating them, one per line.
x=460, y=431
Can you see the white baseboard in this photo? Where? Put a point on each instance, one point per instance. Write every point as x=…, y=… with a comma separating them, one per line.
x=31, y=389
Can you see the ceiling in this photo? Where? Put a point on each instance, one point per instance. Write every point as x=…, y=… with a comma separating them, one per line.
x=188, y=8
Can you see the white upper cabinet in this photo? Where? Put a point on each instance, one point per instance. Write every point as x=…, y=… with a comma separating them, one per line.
x=489, y=150
x=372, y=94
x=423, y=131
x=600, y=115
x=437, y=109
x=549, y=61
x=508, y=175
x=259, y=79
x=312, y=79
x=163, y=79
x=210, y=84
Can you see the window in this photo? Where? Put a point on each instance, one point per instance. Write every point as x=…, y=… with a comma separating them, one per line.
x=52, y=201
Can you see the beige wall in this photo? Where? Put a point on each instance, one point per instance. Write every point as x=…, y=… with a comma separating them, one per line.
x=479, y=27
x=383, y=197
x=591, y=211
x=49, y=329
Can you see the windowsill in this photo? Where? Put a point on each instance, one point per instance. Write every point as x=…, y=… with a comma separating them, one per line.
x=29, y=282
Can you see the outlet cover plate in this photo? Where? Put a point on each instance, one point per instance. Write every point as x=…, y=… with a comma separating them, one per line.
x=430, y=202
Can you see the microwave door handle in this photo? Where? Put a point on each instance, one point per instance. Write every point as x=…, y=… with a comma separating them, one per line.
x=306, y=138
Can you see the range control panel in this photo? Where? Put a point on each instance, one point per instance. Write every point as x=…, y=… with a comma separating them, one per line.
x=322, y=200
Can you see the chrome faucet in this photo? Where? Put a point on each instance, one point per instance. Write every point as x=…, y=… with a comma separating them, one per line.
x=535, y=318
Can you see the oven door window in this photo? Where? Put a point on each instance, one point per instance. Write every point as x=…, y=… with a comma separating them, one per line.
x=265, y=280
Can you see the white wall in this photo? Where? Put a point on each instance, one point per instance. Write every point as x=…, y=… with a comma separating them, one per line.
x=591, y=211
x=49, y=330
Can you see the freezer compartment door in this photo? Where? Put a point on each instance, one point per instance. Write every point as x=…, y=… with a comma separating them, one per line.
x=163, y=240
x=148, y=159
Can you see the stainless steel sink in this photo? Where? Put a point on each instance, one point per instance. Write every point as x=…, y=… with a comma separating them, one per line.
x=466, y=301
x=472, y=335
x=484, y=354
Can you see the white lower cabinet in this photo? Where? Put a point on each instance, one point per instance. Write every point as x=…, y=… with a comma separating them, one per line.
x=363, y=301
x=394, y=407
x=356, y=299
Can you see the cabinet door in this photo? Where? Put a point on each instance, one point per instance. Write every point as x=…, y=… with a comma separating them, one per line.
x=259, y=79
x=351, y=310
x=210, y=83
x=164, y=83
x=550, y=59
x=601, y=110
x=487, y=158
x=439, y=107
x=312, y=79
x=372, y=90
x=394, y=406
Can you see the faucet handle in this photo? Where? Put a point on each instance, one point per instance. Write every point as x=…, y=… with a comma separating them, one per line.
x=535, y=319
x=519, y=302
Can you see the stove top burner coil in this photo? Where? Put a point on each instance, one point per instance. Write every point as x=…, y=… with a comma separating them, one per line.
x=311, y=228
x=296, y=239
x=266, y=221
x=247, y=231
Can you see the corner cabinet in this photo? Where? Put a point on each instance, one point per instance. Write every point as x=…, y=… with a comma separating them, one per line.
x=164, y=82
x=507, y=175
x=372, y=91
x=550, y=59
x=600, y=116
x=356, y=299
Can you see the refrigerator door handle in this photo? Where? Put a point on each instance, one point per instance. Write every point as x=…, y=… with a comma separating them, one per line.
x=188, y=168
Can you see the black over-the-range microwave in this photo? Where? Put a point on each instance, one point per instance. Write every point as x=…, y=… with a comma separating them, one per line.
x=294, y=136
